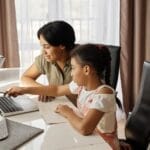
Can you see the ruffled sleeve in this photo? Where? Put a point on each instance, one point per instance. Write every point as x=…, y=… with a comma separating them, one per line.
x=104, y=102
x=74, y=88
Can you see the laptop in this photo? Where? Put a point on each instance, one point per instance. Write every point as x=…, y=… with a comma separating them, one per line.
x=12, y=106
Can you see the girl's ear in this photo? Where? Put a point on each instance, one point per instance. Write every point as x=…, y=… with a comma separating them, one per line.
x=86, y=69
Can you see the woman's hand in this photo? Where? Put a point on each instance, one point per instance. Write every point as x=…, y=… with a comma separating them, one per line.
x=44, y=98
x=63, y=110
x=15, y=91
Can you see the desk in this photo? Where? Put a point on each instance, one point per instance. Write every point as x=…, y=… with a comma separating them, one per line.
x=55, y=136
x=58, y=136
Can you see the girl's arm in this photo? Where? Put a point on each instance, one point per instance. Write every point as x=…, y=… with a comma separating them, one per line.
x=85, y=125
x=52, y=90
x=88, y=123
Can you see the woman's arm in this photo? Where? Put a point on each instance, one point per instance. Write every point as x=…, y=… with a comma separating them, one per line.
x=29, y=76
x=85, y=125
x=52, y=90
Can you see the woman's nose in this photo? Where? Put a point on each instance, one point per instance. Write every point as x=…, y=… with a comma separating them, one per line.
x=44, y=51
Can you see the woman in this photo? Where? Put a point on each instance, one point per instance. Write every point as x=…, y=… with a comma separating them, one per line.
x=57, y=40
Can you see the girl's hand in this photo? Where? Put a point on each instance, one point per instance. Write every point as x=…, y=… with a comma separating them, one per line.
x=63, y=110
x=15, y=91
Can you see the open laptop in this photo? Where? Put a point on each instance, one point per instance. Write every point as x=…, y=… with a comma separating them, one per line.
x=12, y=106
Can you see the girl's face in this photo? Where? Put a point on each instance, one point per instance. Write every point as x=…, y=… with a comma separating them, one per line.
x=50, y=53
x=78, y=73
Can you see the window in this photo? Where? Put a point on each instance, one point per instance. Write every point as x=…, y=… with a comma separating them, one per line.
x=94, y=21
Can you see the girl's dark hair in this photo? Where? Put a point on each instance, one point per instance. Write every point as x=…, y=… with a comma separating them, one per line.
x=98, y=57
x=58, y=33
x=95, y=56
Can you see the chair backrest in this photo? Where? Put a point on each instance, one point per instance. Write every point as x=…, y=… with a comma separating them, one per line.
x=137, y=129
x=115, y=62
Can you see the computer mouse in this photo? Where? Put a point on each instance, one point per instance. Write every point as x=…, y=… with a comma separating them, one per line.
x=3, y=128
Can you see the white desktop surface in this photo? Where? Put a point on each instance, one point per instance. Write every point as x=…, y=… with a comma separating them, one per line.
x=60, y=136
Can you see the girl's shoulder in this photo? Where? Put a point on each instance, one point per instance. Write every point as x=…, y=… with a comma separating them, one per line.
x=105, y=89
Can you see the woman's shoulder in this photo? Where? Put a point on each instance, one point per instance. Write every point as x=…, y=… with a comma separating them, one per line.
x=40, y=56
x=41, y=60
x=43, y=65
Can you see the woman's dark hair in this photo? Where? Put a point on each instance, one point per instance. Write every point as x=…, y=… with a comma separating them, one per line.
x=98, y=57
x=58, y=33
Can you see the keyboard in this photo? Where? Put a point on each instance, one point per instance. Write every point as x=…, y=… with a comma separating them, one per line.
x=7, y=104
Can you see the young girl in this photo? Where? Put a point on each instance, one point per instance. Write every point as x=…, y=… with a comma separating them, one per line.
x=96, y=99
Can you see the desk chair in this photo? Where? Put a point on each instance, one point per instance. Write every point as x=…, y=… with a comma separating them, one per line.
x=115, y=62
x=137, y=128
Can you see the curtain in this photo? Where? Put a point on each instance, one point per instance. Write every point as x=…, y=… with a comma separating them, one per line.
x=94, y=21
x=8, y=33
x=135, y=47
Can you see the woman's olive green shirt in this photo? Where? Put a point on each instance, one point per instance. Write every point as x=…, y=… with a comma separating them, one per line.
x=54, y=74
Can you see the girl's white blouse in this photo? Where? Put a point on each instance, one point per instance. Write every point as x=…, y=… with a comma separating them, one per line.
x=94, y=100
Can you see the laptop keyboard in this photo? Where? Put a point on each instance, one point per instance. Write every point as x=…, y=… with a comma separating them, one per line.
x=7, y=104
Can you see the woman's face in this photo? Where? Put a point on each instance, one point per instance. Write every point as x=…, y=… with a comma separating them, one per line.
x=50, y=53
x=78, y=73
